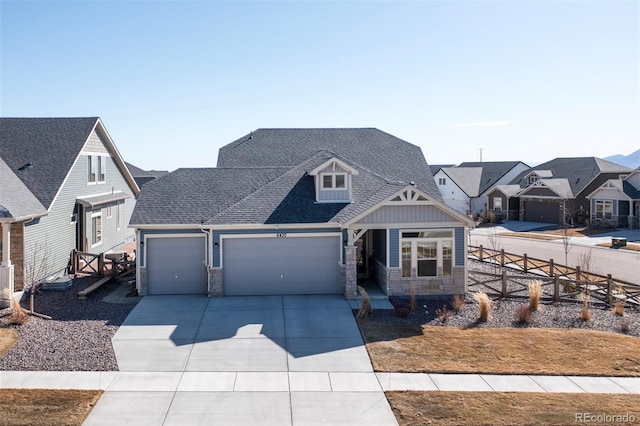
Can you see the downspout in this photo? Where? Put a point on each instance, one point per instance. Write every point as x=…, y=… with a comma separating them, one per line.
x=209, y=254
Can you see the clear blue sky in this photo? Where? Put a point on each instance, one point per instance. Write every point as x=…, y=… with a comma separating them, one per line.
x=173, y=81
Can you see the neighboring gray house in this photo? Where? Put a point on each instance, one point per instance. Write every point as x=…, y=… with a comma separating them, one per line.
x=143, y=176
x=465, y=187
x=556, y=191
x=616, y=202
x=64, y=187
x=301, y=211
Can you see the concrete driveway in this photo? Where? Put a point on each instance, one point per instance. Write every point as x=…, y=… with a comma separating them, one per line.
x=282, y=360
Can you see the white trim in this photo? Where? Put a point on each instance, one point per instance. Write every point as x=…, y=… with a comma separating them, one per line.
x=439, y=251
x=275, y=236
x=334, y=161
x=333, y=175
x=95, y=153
x=163, y=227
x=330, y=225
x=429, y=202
x=95, y=214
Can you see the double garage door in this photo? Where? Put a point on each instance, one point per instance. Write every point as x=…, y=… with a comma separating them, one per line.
x=293, y=265
x=251, y=266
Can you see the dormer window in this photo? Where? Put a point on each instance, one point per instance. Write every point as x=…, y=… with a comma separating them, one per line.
x=533, y=179
x=334, y=180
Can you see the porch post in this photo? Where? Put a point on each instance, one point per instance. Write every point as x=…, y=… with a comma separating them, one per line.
x=6, y=268
x=351, y=272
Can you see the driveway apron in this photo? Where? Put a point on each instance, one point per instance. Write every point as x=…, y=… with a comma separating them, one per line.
x=281, y=360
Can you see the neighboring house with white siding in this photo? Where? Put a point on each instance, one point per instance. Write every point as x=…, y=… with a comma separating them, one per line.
x=64, y=187
x=301, y=211
x=465, y=187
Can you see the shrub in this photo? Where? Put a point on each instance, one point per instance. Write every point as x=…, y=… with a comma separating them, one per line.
x=365, y=308
x=625, y=327
x=618, y=309
x=458, y=302
x=535, y=291
x=442, y=314
x=484, y=306
x=524, y=315
x=17, y=316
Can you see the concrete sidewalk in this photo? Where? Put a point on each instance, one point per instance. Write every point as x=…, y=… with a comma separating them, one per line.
x=337, y=382
x=281, y=398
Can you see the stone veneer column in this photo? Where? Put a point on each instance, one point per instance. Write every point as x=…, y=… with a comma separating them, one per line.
x=215, y=282
x=351, y=272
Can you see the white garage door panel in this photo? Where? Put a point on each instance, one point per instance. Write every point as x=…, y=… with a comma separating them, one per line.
x=176, y=265
x=294, y=265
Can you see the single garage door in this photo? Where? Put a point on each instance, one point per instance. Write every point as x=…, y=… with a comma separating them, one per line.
x=539, y=211
x=293, y=265
x=176, y=265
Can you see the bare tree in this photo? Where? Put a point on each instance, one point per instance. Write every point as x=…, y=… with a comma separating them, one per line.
x=37, y=267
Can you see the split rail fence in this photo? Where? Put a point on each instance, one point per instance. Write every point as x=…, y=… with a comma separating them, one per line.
x=559, y=283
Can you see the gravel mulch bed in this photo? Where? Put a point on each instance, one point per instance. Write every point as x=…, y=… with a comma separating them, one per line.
x=503, y=313
x=78, y=338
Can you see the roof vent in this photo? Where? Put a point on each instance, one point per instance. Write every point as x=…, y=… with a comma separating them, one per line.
x=412, y=183
x=26, y=166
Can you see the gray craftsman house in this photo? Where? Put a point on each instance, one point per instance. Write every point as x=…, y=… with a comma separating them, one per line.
x=301, y=211
x=64, y=186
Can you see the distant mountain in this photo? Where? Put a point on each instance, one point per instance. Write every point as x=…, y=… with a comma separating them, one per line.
x=632, y=160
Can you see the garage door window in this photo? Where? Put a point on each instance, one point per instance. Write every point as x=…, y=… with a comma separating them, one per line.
x=427, y=252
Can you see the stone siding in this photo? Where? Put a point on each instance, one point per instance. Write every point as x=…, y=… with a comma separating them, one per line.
x=216, y=288
x=396, y=285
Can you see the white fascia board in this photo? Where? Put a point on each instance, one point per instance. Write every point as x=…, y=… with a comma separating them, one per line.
x=338, y=162
x=163, y=227
x=327, y=225
x=454, y=182
x=118, y=158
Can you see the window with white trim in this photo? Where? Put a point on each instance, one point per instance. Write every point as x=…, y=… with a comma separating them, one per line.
x=497, y=204
x=604, y=209
x=429, y=253
x=96, y=229
x=533, y=179
x=334, y=181
x=96, y=168
x=118, y=216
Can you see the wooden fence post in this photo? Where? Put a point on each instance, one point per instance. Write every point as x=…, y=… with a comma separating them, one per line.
x=551, y=268
x=504, y=283
x=502, y=258
x=556, y=288
x=101, y=265
x=480, y=254
x=609, y=295
x=525, y=267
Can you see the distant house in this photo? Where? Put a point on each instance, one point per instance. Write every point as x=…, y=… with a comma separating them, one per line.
x=144, y=176
x=301, y=211
x=616, y=202
x=465, y=187
x=555, y=191
x=64, y=187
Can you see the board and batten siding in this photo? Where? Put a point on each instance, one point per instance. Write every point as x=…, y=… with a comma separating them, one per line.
x=54, y=236
x=405, y=214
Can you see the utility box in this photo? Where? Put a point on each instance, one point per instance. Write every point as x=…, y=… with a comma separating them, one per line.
x=617, y=242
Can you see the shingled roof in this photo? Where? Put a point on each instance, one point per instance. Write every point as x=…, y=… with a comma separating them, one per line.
x=16, y=201
x=492, y=171
x=263, y=178
x=393, y=158
x=579, y=171
x=41, y=151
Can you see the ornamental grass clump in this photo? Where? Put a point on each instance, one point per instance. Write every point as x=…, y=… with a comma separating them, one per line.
x=17, y=316
x=457, y=302
x=524, y=315
x=484, y=306
x=365, y=307
x=535, y=292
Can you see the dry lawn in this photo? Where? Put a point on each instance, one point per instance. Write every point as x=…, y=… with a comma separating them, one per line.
x=46, y=407
x=500, y=408
x=432, y=349
x=530, y=235
x=8, y=338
